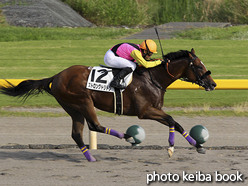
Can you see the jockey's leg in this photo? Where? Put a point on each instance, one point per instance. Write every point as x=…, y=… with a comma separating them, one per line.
x=116, y=81
x=126, y=65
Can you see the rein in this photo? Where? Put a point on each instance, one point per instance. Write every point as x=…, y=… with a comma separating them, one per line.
x=167, y=68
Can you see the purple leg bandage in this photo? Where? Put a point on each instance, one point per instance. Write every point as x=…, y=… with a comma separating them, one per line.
x=171, y=136
x=189, y=138
x=87, y=154
x=114, y=133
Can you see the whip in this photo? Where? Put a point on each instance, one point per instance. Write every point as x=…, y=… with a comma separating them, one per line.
x=159, y=41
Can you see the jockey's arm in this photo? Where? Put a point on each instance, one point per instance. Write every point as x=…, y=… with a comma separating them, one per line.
x=147, y=64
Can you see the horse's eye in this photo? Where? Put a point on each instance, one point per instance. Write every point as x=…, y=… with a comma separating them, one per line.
x=200, y=67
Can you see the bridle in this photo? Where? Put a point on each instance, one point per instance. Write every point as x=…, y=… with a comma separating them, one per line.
x=199, y=79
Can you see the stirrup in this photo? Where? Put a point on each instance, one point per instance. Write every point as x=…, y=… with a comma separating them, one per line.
x=117, y=85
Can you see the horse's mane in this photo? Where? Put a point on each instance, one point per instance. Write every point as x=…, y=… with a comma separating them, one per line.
x=171, y=56
x=177, y=55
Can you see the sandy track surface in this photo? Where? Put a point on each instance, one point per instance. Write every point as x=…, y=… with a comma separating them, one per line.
x=114, y=166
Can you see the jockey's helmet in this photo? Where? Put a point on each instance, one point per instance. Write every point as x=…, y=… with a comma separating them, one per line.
x=149, y=45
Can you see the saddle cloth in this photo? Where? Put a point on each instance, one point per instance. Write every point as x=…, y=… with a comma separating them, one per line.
x=100, y=78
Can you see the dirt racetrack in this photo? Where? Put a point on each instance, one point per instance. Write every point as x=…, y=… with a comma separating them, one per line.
x=121, y=165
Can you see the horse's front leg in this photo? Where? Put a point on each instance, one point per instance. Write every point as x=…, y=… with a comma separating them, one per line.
x=160, y=116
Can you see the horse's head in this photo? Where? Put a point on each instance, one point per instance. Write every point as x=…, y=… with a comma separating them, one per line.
x=197, y=73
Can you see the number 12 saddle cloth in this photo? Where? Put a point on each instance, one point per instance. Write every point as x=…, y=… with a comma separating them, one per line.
x=99, y=80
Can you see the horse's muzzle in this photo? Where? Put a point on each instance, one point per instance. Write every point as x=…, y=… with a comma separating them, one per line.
x=207, y=82
x=209, y=85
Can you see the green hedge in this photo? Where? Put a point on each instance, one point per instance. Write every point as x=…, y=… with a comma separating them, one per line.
x=155, y=12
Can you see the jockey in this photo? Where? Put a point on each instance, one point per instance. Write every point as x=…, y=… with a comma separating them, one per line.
x=127, y=55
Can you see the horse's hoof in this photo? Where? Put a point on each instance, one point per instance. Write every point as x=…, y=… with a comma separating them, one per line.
x=92, y=160
x=130, y=140
x=201, y=150
x=170, y=151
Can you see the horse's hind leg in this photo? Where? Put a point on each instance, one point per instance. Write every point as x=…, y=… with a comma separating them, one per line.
x=77, y=135
x=77, y=131
x=94, y=125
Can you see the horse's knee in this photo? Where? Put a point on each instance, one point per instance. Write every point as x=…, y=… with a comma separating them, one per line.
x=171, y=122
x=179, y=128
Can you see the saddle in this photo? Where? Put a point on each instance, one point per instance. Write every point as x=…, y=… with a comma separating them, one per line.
x=99, y=80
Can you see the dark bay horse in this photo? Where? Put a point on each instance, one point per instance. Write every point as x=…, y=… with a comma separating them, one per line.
x=144, y=97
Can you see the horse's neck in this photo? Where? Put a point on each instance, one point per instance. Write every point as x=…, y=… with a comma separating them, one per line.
x=160, y=76
x=177, y=68
x=166, y=76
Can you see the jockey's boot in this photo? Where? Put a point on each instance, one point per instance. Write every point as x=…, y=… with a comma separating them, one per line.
x=116, y=81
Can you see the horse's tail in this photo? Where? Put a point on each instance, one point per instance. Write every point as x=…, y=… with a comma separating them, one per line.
x=27, y=88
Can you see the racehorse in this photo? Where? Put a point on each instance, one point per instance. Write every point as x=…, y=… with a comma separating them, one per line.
x=144, y=97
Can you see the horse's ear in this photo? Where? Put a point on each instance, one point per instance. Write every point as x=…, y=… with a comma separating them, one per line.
x=193, y=51
x=190, y=55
